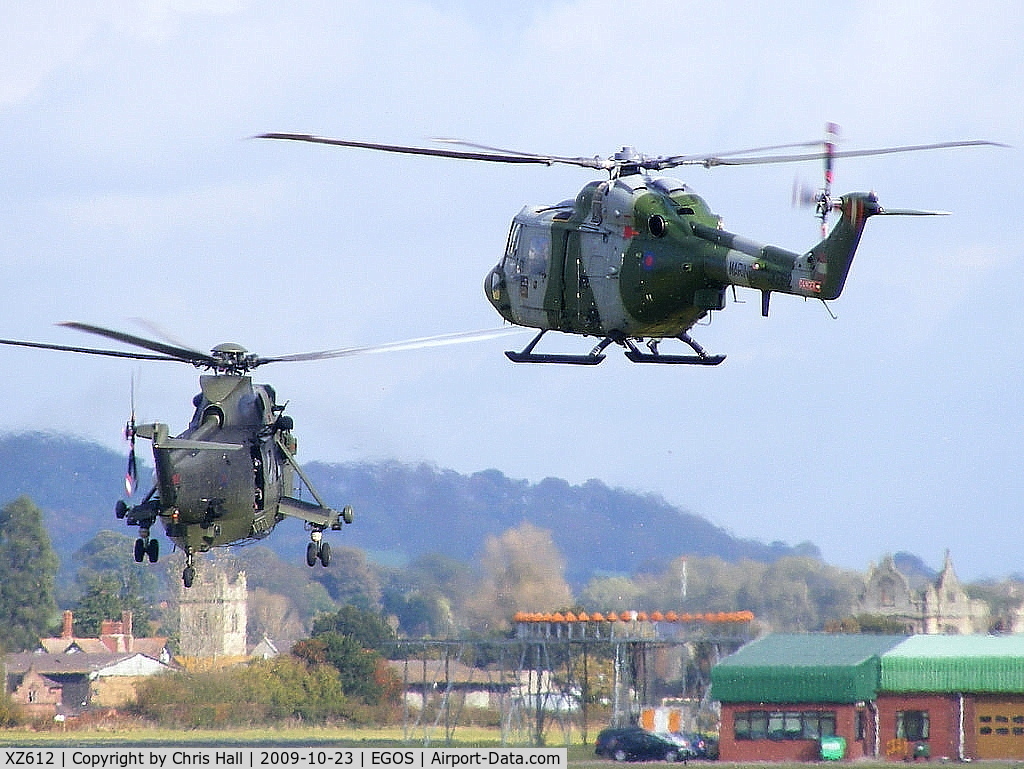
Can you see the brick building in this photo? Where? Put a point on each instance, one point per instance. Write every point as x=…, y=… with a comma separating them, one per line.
x=894, y=697
x=69, y=673
x=782, y=693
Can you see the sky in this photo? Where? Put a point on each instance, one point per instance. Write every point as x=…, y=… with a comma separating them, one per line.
x=132, y=196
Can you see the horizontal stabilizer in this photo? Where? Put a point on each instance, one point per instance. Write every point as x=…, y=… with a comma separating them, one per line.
x=911, y=212
x=323, y=517
x=158, y=433
x=183, y=443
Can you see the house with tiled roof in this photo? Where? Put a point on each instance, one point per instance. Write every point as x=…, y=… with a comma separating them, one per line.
x=116, y=636
x=67, y=674
x=66, y=684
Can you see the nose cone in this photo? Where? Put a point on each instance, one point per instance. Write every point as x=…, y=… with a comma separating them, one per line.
x=496, y=289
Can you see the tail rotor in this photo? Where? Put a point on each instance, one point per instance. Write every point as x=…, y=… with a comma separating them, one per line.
x=805, y=196
x=131, y=474
x=825, y=200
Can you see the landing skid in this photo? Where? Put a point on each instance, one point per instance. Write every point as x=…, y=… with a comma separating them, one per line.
x=633, y=353
x=577, y=360
x=700, y=359
x=693, y=360
x=529, y=356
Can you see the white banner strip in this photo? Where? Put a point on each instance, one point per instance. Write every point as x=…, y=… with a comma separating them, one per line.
x=280, y=758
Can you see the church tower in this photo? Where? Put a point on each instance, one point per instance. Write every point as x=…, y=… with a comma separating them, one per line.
x=213, y=615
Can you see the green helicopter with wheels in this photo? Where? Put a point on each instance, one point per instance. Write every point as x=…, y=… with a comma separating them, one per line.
x=230, y=477
x=638, y=258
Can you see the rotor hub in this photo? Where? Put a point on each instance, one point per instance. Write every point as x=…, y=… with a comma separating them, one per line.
x=628, y=155
x=232, y=358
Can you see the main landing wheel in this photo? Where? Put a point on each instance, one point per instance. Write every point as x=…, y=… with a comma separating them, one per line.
x=147, y=548
x=318, y=550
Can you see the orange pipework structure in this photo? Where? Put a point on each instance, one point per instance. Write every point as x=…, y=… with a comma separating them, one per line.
x=634, y=616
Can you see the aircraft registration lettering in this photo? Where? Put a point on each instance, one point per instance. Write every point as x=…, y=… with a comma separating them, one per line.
x=737, y=268
x=806, y=284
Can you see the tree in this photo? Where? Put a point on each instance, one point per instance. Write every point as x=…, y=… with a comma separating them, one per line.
x=877, y=624
x=364, y=627
x=419, y=613
x=100, y=601
x=28, y=569
x=357, y=666
x=270, y=575
x=350, y=640
x=262, y=692
x=523, y=570
x=611, y=594
x=111, y=582
x=792, y=593
x=351, y=579
x=273, y=616
x=428, y=596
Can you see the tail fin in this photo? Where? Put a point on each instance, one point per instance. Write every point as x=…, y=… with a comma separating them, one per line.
x=834, y=255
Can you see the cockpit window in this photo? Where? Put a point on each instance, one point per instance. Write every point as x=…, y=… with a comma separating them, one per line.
x=537, y=253
x=513, y=239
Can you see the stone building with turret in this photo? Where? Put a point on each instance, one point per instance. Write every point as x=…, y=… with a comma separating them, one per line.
x=939, y=606
x=213, y=616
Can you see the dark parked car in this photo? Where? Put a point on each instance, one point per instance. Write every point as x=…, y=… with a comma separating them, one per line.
x=693, y=745
x=632, y=743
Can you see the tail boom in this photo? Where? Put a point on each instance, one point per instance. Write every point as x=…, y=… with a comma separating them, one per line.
x=819, y=273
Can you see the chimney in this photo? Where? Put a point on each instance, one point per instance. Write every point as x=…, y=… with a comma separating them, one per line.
x=109, y=636
x=126, y=628
x=67, y=629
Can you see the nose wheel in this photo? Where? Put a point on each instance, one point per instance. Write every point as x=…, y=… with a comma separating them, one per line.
x=318, y=550
x=188, y=574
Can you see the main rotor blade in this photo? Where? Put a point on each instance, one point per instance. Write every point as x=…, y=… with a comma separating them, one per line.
x=585, y=162
x=161, y=333
x=87, y=350
x=711, y=161
x=700, y=159
x=408, y=150
x=172, y=351
x=441, y=340
x=497, y=156
x=487, y=147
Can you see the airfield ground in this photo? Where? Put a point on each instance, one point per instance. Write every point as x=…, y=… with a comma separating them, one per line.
x=580, y=756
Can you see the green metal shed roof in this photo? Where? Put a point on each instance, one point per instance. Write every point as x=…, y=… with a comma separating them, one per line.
x=970, y=663
x=802, y=668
